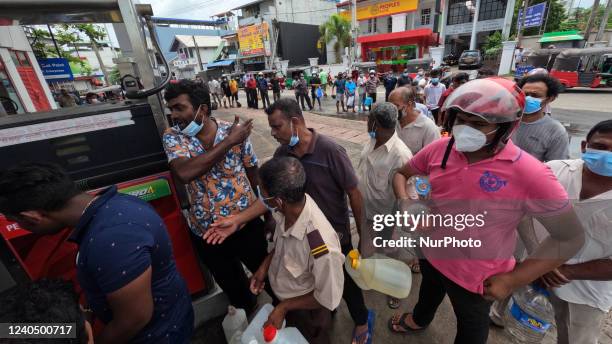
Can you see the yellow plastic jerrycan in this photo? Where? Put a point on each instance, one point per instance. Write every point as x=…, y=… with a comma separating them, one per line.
x=381, y=273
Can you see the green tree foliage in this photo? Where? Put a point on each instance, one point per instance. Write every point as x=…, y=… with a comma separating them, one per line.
x=580, y=18
x=338, y=28
x=115, y=76
x=493, y=45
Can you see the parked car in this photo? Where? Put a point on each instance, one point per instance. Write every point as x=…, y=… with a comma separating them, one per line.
x=470, y=59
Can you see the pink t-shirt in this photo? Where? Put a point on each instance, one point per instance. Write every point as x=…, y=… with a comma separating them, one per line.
x=502, y=190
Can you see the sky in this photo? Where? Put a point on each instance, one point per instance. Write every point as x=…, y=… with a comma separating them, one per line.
x=192, y=9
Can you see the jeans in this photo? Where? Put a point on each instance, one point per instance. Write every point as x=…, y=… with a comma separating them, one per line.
x=264, y=98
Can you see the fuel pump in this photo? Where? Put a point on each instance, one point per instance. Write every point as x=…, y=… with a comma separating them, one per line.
x=101, y=145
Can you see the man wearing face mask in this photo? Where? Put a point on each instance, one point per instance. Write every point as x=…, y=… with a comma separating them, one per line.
x=404, y=79
x=217, y=162
x=433, y=92
x=413, y=127
x=331, y=178
x=482, y=171
x=540, y=135
x=582, y=287
x=389, y=82
x=305, y=266
x=380, y=158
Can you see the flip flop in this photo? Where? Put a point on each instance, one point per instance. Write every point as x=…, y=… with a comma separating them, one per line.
x=402, y=323
x=367, y=335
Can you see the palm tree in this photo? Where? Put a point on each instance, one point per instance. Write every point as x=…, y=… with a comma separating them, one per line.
x=336, y=28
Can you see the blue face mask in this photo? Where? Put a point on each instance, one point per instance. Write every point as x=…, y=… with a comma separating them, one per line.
x=265, y=200
x=598, y=161
x=435, y=81
x=532, y=105
x=372, y=133
x=193, y=128
x=295, y=139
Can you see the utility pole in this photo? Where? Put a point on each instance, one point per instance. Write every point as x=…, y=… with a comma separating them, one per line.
x=604, y=21
x=591, y=22
x=474, y=26
x=197, y=53
x=354, y=29
x=519, y=34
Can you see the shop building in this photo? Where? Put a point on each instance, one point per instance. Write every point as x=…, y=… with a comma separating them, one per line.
x=22, y=85
x=393, y=32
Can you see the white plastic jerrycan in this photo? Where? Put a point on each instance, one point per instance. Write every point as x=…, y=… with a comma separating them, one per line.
x=254, y=332
x=288, y=335
x=234, y=324
x=383, y=274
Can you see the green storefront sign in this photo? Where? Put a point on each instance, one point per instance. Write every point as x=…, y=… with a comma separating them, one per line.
x=149, y=191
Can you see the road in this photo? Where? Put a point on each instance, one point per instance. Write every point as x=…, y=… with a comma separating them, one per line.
x=579, y=110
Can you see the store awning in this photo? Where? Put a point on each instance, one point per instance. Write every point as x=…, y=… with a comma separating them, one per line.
x=561, y=36
x=396, y=35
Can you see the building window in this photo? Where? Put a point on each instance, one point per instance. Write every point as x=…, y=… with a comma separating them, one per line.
x=492, y=9
x=372, y=25
x=191, y=52
x=460, y=11
x=389, y=24
x=425, y=16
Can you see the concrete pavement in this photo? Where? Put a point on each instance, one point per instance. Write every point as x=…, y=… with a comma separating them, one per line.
x=351, y=134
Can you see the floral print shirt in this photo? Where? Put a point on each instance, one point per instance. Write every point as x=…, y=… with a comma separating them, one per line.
x=225, y=189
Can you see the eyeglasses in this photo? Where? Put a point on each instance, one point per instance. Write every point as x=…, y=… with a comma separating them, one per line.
x=260, y=195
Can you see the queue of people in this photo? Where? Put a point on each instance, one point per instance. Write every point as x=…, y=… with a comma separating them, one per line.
x=501, y=138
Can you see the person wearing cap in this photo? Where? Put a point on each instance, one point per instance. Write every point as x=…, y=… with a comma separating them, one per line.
x=305, y=267
x=301, y=92
x=480, y=171
x=540, y=135
x=262, y=85
x=372, y=85
x=404, y=79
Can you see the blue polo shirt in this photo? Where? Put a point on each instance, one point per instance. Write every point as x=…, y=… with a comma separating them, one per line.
x=119, y=237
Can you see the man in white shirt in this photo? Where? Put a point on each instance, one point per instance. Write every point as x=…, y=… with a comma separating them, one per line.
x=381, y=156
x=582, y=287
x=413, y=128
x=433, y=92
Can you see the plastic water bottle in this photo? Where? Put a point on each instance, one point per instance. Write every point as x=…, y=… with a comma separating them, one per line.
x=529, y=315
x=289, y=335
x=386, y=275
x=234, y=322
x=254, y=332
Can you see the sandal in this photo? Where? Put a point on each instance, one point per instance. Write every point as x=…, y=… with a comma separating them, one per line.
x=402, y=324
x=393, y=302
x=415, y=267
x=366, y=336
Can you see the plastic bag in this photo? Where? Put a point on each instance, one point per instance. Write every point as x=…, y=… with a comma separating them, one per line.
x=350, y=102
x=319, y=92
x=368, y=101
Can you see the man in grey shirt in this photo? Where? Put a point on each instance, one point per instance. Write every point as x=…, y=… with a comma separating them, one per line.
x=414, y=128
x=540, y=135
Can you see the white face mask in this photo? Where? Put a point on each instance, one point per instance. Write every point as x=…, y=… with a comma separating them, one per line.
x=468, y=139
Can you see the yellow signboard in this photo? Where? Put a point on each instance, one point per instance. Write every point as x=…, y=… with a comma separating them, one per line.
x=251, y=39
x=381, y=9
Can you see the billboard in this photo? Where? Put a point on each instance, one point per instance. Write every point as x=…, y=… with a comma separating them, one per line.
x=534, y=17
x=382, y=9
x=254, y=40
x=56, y=69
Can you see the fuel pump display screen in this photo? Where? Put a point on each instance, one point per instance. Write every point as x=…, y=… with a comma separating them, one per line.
x=90, y=146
